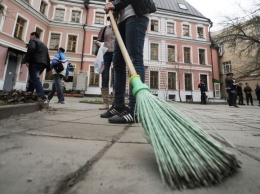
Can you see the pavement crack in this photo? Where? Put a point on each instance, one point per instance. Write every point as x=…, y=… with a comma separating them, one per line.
x=72, y=179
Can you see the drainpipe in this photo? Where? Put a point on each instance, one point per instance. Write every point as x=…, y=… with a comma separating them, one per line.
x=86, y=3
x=212, y=69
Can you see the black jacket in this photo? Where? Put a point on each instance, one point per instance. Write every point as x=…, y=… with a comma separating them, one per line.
x=37, y=53
x=140, y=7
x=203, y=87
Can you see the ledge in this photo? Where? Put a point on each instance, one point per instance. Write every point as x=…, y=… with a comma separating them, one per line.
x=11, y=110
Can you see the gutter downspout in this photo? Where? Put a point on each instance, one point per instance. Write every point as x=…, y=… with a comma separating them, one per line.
x=212, y=69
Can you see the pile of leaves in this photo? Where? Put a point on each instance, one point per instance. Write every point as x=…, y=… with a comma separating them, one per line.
x=17, y=97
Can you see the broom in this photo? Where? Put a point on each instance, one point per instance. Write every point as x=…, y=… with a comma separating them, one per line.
x=187, y=156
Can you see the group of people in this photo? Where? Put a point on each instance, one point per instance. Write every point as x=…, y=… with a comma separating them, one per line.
x=235, y=90
x=37, y=59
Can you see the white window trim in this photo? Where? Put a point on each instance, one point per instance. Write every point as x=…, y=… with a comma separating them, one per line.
x=204, y=32
x=175, y=45
x=49, y=39
x=176, y=79
x=159, y=25
x=190, y=32
x=206, y=56
x=26, y=27
x=159, y=51
x=47, y=7
x=175, y=31
x=3, y=17
x=76, y=9
x=191, y=53
x=67, y=40
x=94, y=17
x=43, y=31
x=59, y=7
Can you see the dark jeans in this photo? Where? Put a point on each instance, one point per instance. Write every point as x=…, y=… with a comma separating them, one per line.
x=203, y=98
x=34, y=72
x=56, y=87
x=249, y=98
x=240, y=99
x=231, y=97
x=108, y=57
x=133, y=31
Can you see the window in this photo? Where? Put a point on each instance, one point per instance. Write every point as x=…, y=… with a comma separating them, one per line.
x=227, y=67
x=204, y=79
x=182, y=6
x=172, y=80
x=94, y=46
x=99, y=19
x=72, y=42
x=39, y=31
x=187, y=55
x=170, y=28
x=75, y=17
x=188, y=82
x=19, y=28
x=171, y=53
x=43, y=7
x=202, y=56
x=55, y=41
x=154, y=25
x=154, y=51
x=94, y=78
x=59, y=14
x=154, y=79
x=200, y=31
x=186, y=30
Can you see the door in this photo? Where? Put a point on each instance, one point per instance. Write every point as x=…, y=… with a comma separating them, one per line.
x=10, y=73
x=217, y=90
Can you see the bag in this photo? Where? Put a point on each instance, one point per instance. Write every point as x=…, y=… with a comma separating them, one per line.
x=59, y=66
x=142, y=7
x=99, y=61
x=101, y=38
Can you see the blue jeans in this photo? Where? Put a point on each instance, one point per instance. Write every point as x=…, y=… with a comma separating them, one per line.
x=108, y=56
x=132, y=31
x=56, y=87
x=34, y=72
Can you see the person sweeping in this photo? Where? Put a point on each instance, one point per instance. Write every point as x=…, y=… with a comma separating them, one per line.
x=186, y=155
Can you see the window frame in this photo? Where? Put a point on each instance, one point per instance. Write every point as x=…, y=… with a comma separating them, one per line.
x=50, y=38
x=174, y=80
x=175, y=53
x=174, y=28
x=95, y=17
x=205, y=56
x=185, y=83
x=76, y=43
x=95, y=79
x=158, y=51
x=24, y=33
x=225, y=65
x=158, y=25
x=197, y=33
x=182, y=30
x=80, y=16
x=154, y=80
x=183, y=55
x=46, y=10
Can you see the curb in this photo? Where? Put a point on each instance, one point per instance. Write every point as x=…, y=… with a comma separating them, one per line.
x=11, y=110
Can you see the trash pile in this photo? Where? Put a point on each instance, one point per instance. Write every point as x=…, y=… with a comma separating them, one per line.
x=17, y=97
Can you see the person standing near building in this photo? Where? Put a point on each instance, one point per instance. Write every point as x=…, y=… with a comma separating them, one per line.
x=240, y=94
x=107, y=36
x=248, y=90
x=37, y=59
x=203, y=89
x=230, y=88
x=132, y=25
x=58, y=76
x=257, y=92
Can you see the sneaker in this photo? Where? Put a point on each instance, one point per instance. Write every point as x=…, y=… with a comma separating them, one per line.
x=113, y=111
x=125, y=117
x=60, y=102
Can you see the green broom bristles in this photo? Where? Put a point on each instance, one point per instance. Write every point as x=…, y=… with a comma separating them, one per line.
x=187, y=156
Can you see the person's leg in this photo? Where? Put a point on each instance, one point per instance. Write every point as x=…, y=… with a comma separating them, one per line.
x=34, y=71
x=57, y=81
x=251, y=99
x=247, y=99
x=230, y=98
x=53, y=90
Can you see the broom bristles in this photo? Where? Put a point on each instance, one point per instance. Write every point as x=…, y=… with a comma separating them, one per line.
x=187, y=156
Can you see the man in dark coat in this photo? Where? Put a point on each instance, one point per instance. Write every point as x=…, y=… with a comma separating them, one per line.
x=240, y=94
x=37, y=59
x=230, y=88
x=203, y=89
x=248, y=90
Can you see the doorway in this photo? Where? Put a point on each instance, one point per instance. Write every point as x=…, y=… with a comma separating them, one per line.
x=10, y=76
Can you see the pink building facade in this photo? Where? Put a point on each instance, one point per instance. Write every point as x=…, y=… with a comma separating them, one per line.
x=177, y=55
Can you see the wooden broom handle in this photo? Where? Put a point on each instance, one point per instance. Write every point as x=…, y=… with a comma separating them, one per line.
x=122, y=45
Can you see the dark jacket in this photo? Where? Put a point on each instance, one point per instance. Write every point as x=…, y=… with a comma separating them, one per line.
x=248, y=90
x=141, y=7
x=229, y=83
x=203, y=87
x=37, y=53
x=239, y=90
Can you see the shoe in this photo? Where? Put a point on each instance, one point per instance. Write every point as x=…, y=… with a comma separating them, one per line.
x=236, y=106
x=231, y=106
x=113, y=111
x=125, y=117
x=60, y=102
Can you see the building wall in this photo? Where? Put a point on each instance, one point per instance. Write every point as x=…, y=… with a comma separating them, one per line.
x=83, y=58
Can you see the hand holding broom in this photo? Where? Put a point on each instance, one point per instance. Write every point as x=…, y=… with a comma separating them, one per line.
x=187, y=156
